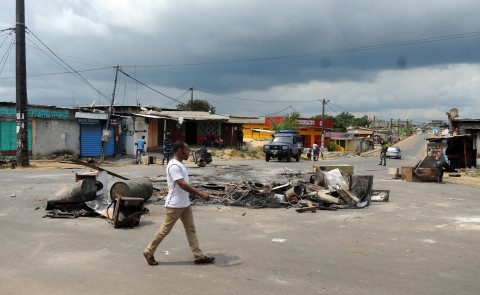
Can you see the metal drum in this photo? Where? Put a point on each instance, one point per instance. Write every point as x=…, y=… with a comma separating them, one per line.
x=133, y=188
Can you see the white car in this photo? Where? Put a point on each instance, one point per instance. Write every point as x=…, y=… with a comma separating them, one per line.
x=394, y=152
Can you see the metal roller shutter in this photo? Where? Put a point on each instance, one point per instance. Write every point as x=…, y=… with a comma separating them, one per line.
x=91, y=141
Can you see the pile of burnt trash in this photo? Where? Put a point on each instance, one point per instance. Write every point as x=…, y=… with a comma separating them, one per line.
x=322, y=190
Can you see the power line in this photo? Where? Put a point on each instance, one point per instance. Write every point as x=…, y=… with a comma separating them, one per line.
x=4, y=59
x=62, y=73
x=136, y=80
x=75, y=72
x=338, y=51
x=250, y=99
x=277, y=112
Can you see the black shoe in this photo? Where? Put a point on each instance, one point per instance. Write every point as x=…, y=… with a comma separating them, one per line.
x=205, y=260
x=380, y=164
x=150, y=259
x=384, y=164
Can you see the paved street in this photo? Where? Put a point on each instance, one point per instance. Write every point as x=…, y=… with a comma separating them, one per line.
x=424, y=241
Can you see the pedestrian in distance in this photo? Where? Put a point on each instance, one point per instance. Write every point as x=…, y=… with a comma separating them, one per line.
x=315, y=151
x=383, y=154
x=308, y=151
x=178, y=206
x=240, y=138
x=140, y=148
x=167, y=149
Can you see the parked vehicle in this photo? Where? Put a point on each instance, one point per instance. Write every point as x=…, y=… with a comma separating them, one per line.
x=284, y=145
x=394, y=152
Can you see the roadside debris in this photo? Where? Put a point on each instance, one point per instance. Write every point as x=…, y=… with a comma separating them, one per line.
x=124, y=203
x=11, y=163
x=323, y=190
x=89, y=196
x=429, y=169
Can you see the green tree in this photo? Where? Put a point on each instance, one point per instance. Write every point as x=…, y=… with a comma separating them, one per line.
x=342, y=121
x=287, y=123
x=197, y=105
x=363, y=121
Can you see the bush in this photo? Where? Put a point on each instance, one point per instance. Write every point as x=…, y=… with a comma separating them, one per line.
x=331, y=146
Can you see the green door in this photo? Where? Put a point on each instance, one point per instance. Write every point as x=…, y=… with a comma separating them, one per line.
x=8, y=138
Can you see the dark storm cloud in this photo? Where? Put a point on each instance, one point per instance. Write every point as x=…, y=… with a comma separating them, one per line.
x=261, y=48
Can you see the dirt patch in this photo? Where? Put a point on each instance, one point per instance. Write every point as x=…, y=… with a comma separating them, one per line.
x=471, y=181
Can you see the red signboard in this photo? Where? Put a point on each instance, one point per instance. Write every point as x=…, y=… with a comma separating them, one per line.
x=302, y=122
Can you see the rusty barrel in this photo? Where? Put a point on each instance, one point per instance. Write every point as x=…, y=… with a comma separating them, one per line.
x=133, y=188
x=80, y=191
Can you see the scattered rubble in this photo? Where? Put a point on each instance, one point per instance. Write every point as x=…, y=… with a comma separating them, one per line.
x=328, y=188
x=322, y=190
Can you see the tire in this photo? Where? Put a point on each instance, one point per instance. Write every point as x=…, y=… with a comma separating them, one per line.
x=289, y=156
x=297, y=158
x=267, y=157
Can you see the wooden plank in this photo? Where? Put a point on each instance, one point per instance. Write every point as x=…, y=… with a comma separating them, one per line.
x=306, y=209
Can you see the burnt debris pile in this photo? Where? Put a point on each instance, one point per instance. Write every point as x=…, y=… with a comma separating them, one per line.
x=321, y=190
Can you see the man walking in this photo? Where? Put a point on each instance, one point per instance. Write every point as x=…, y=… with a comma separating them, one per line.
x=178, y=206
x=140, y=148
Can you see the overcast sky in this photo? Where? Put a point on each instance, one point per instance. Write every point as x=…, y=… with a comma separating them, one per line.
x=390, y=59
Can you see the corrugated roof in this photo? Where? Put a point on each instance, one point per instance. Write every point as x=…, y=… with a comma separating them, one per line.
x=339, y=135
x=246, y=120
x=149, y=116
x=192, y=115
x=360, y=132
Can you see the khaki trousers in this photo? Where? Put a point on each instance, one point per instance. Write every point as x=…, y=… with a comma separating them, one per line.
x=171, y=216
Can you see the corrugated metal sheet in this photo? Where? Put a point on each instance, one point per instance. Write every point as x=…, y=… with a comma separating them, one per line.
x=91, y=141
x=246, y=120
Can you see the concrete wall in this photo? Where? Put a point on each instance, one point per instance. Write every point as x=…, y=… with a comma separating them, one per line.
x=55, y=137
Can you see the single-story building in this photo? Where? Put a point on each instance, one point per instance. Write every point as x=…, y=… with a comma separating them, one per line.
x=51, y=131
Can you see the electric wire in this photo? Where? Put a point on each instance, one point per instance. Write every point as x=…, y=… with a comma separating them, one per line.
x=4, y=59
x=250, y=99
x=328, y=52
x=74, y=72
x=138, y=81
x=276, y=112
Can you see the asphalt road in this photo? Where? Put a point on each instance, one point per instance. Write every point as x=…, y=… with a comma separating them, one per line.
x=424, y=241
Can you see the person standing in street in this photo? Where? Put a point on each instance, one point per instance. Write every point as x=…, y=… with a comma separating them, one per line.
x=383, y=154
x=315, y=151
x=240, y=138
x=178, y=206
x=166, y=148
x=140, y=148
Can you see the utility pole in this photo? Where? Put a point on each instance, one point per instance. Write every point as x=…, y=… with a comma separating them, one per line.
x=21, y=80
x=105, y=132
x=373, y=132
x=323, y=123
x=390, y=132
x=398, y=130
x=191, y=98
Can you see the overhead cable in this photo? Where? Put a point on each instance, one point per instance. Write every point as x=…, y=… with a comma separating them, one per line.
x=329, y=52
x=250, y=99
x=136, y=80
x=75, y=72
